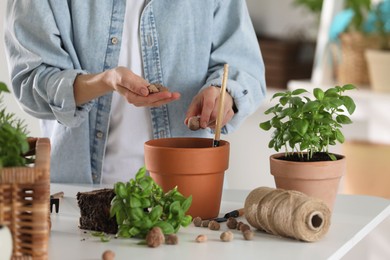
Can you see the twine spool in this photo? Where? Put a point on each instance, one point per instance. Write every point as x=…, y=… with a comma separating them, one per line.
x=287, y=213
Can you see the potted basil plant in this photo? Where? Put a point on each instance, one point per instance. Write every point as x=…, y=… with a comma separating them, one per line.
x=305, y=126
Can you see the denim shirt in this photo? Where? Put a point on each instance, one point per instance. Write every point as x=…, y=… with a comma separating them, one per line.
x=184, y=45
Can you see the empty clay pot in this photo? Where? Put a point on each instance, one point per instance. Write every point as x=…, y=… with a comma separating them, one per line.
x=194, y=166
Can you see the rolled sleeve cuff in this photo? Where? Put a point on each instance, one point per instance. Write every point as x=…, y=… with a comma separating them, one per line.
x=62, y=100
x=245, y=101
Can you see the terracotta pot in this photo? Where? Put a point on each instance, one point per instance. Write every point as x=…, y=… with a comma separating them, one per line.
x=194, y=166
x=319, y=179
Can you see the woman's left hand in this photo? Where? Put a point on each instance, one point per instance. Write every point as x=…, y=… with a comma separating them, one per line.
x=205, y=105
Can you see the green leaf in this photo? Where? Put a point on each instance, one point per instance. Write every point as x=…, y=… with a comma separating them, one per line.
x=319, y=93
x=175, y=207
x=145, y=184
x=105, y=238
x=134, y=231
x=283, y=101
x=348, y=87
x=147, y=223
x=166, y=228
x=123, y=231
x=297, y=101
x=3, y=87
x=301, y=126
x=155, y=213
x=146, y=203
x=339, y=136
x=136, y=214
x=335, y=102
x=349, y=104
x=265, y=125
x=97, y=233
x=311, y=106
x=134, y=202
x=298, y=91
x=332, y=157
x=287, y=112
x=271, y=110
x=342, y=119
x=141, y=173
x=120, y=217
x=186, y=204
x=279, y=94
x=186, y=221
x=120, y=190
x=331, y=92
x=116, y=206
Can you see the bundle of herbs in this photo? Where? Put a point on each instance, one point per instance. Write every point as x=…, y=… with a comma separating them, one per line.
x=141, y=204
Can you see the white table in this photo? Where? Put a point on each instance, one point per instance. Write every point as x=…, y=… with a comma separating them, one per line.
x=353, y=218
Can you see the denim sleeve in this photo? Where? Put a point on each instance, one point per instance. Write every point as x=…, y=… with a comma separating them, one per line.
x=235, y=43
x=42, y=62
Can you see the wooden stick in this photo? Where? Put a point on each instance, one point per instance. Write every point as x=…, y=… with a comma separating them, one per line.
x=221, y=103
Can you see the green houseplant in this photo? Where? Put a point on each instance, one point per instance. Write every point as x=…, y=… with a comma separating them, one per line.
x=378, y=59
x=304, y=128
x=13, y=136
x=25, y=186
x=360, y=27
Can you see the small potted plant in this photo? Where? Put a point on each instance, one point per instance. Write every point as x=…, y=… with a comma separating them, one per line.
x=350, y=40
x=378, y=60
x=304, y=128
x=13, y=137
x=25, y=186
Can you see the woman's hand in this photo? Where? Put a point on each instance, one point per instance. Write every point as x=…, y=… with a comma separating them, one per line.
x=131, y=86
x=205, y=105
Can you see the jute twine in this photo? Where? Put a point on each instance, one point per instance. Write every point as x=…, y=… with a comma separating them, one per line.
x=287, y=213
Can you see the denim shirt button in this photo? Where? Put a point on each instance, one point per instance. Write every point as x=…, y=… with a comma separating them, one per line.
x=94, y=176
x=114, y=40
x=99, y=135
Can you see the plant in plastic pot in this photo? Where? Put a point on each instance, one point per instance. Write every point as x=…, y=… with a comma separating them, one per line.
x=304, y=128
x=378, y=59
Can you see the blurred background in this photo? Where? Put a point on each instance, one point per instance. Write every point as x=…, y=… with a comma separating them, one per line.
x=307, y=44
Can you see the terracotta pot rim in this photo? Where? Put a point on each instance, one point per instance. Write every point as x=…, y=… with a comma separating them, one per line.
x=275, y=157
x=155, y=143
x=184, y=174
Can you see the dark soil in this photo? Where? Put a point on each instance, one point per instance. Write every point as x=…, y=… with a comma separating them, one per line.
x=95, y=211
x=317, y=157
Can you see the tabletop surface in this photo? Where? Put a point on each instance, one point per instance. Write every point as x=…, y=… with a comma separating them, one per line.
x=353, y=218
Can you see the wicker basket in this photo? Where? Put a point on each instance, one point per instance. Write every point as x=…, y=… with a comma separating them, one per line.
x=24, y=203
x=349, y=58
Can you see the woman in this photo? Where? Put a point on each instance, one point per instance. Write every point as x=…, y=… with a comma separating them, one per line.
x=83, y=68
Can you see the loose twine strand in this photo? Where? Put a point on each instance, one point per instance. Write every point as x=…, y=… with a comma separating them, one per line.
x=287, y=213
